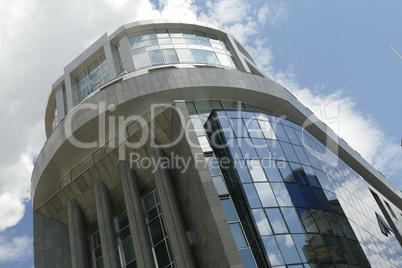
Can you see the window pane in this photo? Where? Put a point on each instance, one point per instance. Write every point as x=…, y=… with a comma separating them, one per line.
x=302, y=246
x=309, y=196
x=280, y=132
x=253, y=128
x=156, y=57
x=213, y=165
x=162, y=255
x=276, y=149
x=184, y=55
x=282, y=194
x=301, y=155
x=170, y=55
x=289, y=152
x=220, y=185
x=141, y=60
x=238, y=235
x=266, y=196
x=291, y=134
x=149, y=202
x=286, y=171
x=262, y=149
x=292, y=220
x=288, y=249
x=238, y=127
x=276, y=220
x=247, y=149
x=204, y=43
x=267, y=130
x=128, y=251
x=211, y=57
x=271, y=248
x=247, y=258
x=307, y=220
x=224, y=59
x=198, y=56
x=156, y=231
x=262, y=222
x=229, y=210
x=271, y=170
x=242, y=170
x=234, y=149
x=252, y=196
x=296, y=195
x=256, y=171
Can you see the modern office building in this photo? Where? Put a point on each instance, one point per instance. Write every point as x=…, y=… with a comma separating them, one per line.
x=167, y=147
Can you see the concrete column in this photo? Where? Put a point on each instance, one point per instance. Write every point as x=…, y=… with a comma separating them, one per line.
x=107, y=232
x=135, y=215
x=78, y=249
x=171, y=214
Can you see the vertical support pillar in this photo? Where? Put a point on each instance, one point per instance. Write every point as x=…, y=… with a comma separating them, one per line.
x=138, y=228
x=171, y=214
x=106, y=228
x=79, y=256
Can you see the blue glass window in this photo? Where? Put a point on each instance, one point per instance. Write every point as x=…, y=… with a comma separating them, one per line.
x=309, y=196
x=247, y=148
x=276, y=149
x=276, y=220
x=307, y=220
x=262, y=149
x=238, y=235
x=251, y=195
x=289, y=152
x=247, y=258
x=282, y=194
x=286, y=171
x=156, y=57
x=271, y=171
x=170, y=55
x=301, y=245
x=322, y=199
x=296, y=195
x=242, y=170
x=267, y=130
x=288, y=249
x=280, y=132
x=322, y=178
x=292, y=219
x=262, y=222
x=229, y=210
x=239, y=128
x=301, y=155
x=291, y=134
x=256, y=171
x=234, y=149
x=266, y=196
x=253, y=128
x=272, y=250
x=211, y=57
x=312, y=178
x=198, y=55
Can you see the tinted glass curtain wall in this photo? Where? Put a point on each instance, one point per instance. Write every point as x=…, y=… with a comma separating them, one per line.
x=296, y=189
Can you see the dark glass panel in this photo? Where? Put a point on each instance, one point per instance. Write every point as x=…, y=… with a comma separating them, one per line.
x=302, y=246
x=229, y=210
x=162, y=255
x=148, y=202
x=309, y=196
x=301, y=177
x=276, y=220
x=292, y=219
x=156, y=231
x=271, y=248
x=288, y=249
x=321, y=221
x=252, y=196
x=124, y=233
x=322, y=178
x=128, y=251
x=307, y=220
x=312, y=178
x=296, y=195
x=322, y=199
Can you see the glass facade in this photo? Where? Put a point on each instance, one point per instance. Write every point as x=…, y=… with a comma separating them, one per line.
x=95, y=75
x=308, y=207
x=125, y=243
x=162, y=46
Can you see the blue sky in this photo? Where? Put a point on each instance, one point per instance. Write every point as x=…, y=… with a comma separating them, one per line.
x=333, y=55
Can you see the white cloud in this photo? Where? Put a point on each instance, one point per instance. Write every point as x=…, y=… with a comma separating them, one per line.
x=16, y=249
x=272, y=12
